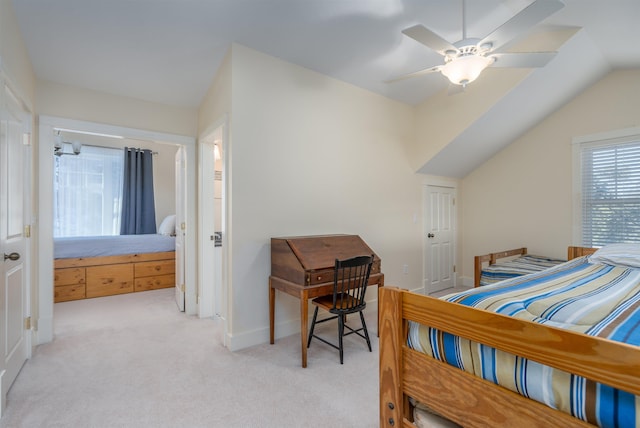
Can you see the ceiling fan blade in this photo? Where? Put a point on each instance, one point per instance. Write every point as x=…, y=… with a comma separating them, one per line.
x=421, y=34
x=521, y=22
x=522, y=60
x=414, y=74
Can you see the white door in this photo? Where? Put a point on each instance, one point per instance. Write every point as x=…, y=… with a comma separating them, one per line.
x=14, y=193
x=181, y=191
x=439, y=239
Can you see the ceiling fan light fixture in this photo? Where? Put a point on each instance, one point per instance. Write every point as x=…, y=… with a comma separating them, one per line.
x=465, y=69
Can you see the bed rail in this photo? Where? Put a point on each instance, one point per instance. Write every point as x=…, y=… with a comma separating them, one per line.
x=472, y=401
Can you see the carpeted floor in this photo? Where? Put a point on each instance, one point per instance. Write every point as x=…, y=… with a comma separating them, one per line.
x=135, y=361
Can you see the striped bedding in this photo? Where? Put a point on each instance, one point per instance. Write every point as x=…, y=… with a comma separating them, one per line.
x=519, y=266
x=595, y=299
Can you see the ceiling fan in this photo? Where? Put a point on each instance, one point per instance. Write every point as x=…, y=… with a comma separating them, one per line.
x=466, y=59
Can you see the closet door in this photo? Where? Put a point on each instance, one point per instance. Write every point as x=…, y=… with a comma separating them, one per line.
x=14, y=276
x=439, y=241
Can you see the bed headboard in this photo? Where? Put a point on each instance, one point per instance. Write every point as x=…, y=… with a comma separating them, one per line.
x=574, y=252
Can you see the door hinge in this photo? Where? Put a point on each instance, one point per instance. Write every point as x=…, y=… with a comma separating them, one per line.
x=454, y=201
x=182, y=287
x=183, y=226
x=454, y=268
x=27, y=323
x=27, y=231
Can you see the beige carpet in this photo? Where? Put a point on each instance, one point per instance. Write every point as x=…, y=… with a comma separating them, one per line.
x=135, y=361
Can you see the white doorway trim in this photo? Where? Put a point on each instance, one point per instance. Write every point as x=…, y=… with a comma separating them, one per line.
x=213, y=270
x=45, y=210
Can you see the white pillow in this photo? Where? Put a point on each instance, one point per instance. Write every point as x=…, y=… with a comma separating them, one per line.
x=168, y=226
x=618, y=255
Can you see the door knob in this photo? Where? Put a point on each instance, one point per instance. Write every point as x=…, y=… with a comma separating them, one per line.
x=12, y=256
x=430, y=235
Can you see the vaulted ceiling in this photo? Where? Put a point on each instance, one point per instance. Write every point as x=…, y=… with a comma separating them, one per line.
x=168, y=51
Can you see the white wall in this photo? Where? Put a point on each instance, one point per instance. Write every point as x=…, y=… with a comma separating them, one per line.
x=312, y=155
x=13, y=53
x=58, y=100
x=523, y=195
x=217, y=101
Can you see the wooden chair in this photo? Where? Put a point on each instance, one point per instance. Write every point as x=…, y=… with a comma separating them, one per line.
x=350, y=281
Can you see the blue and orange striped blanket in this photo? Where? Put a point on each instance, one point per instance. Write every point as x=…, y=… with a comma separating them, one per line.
x=595, y=299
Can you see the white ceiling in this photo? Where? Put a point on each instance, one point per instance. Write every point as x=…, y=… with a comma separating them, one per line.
x=167, y=51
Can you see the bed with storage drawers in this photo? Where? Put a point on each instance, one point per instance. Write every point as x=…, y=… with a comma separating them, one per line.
x=88, y=267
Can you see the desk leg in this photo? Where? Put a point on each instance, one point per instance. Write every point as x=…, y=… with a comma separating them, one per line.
x=304, y=324
x=272, y=310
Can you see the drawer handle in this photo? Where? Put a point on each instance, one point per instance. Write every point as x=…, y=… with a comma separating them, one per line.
x=319, y=278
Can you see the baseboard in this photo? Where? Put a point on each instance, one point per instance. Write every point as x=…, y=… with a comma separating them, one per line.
x=45, y=330
x=467, y=281
x=236, y=342
x=419, y=290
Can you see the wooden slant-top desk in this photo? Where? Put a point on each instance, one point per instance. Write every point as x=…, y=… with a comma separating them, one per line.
x=303, y=267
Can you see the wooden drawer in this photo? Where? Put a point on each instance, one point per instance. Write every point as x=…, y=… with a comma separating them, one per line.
x=319, y=277
x=326, y=275
x=109, y=279
x=64, y=293
x=161, y=267
x=68, y=276
x=375, y=267
x=155, y=282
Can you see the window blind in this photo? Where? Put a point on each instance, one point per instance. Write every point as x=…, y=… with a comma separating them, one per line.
x=87, y=192
x=610, y=193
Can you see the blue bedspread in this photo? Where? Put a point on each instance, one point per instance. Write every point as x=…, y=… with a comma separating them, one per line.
x=98, y=246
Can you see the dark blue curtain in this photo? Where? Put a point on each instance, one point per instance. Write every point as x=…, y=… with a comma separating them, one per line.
x=138, y=205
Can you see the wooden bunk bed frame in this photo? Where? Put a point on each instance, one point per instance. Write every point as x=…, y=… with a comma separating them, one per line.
x=471, y=401
x=87, y=277
x=492, y=258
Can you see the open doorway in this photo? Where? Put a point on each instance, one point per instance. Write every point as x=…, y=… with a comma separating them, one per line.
x=47, y=128
x=212, y=225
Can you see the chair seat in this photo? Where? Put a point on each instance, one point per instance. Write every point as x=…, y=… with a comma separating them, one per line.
x=342, y=302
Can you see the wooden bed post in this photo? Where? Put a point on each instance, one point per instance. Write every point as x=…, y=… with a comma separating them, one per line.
x=391, y=332
x=575, y=252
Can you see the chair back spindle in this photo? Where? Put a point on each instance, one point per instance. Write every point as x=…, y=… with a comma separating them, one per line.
x=350, y=281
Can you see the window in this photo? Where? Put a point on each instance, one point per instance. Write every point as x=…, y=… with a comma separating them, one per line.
x=87, y=192
x=609, y=185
